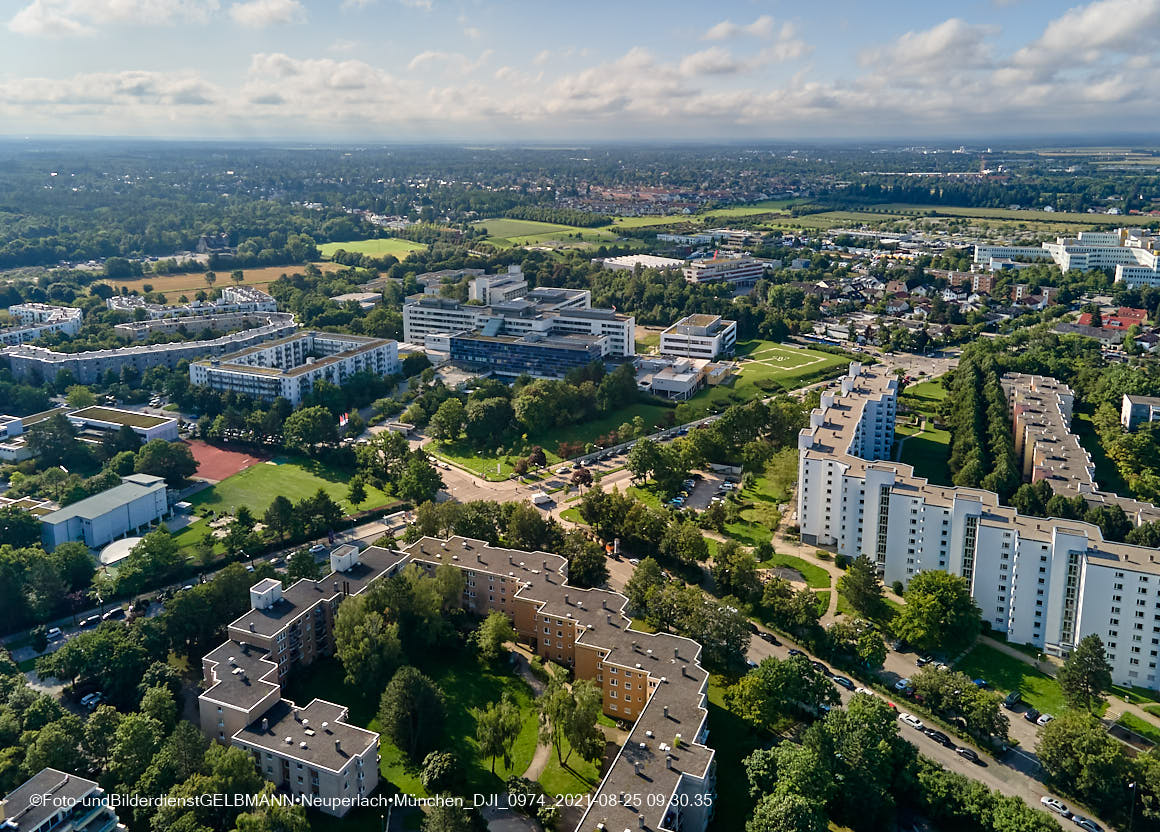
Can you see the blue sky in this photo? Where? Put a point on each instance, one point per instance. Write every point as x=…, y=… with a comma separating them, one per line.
x=400, y=70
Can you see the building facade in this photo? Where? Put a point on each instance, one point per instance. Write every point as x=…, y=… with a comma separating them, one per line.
x=39, y=319
x=549, y=356
x=289, y=367
x=1131, y=252
x=700, y=336
x=743, y=270
x=137, y=503
x=1041, y=581
x=232, y=299
x=654, y=681
x=1138, y=410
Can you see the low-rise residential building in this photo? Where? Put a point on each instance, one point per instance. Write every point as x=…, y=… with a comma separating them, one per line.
x=743, y=270
x=111, y=419
x=365, y=300
x=39, y=319
x=232, y=299
x=700, y=336
x=289, y=367
x=1138, y=410
x=654, y=681
x=126, y=509
x=57, y=801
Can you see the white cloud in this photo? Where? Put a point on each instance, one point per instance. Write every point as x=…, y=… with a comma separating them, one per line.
x=257, y=14
x=952, y=43
x=456, y=62
x=712, y=61
x=1083, y=34
x=726, y=29
x=357, y=4
x=56, y=18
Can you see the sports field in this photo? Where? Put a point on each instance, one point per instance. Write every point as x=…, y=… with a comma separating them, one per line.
x=191, y=283
x=216, y=464
x=376, y=247
x=258, y=485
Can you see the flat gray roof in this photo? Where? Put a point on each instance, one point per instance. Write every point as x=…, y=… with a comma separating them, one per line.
x=19, y=808
x=134, y=486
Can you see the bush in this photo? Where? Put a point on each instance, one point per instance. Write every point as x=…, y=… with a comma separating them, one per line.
x=822, y=555
x=842, y=561
x=897, y=587
x=536, y=666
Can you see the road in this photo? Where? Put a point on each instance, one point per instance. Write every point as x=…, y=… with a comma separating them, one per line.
x=1007, y=777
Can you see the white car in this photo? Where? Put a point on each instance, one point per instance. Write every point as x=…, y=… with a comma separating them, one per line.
x=911, y=720
x=634, y=561
x=1054, y=805
x=902, y=684
x=1044, y=719
x=866, y=691
x=54, y=633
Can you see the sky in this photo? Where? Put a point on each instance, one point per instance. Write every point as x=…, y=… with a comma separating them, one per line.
x=632, y=70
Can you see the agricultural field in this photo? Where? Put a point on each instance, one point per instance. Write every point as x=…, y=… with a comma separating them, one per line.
x=753, y=209
x=650, y=221
x=190, y=283
x=376, y=247
x=1049, y=217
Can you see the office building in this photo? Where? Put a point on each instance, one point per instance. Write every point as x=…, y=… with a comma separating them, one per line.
x=743, y=270
x=1137, y=410
x=542, y=356
x=1132, y=252
x=289, y=367
x=629, y=262
x=700, y=336
x=1041, y=581
x=671, y=378
x=38, y=319
x=56, y=801
x=122, y=511
x=655, y=681
x=502, y=305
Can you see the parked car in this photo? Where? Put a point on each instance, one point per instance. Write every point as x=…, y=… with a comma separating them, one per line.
x=317, y=549
x=1012, y=700
x=821, y=668
x=911, y=720
x=1044, y=719
x=902, y=684
x=981, y=683
x=768, y=637
x=922, y=661
x=1053, y=805
x=1087, y=824
x=843, y=682
x=938, y=736
x=54, y=633
x=115, y=614
x=91, y=621
x=866, y=691
x=967, y=754
x=1031, y=715
x=793, y=651
x=634, y=561
x=91, y=700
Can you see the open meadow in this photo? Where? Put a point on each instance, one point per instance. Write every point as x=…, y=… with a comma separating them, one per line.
x=195, y=281
x=375, y=247
x=506, y=233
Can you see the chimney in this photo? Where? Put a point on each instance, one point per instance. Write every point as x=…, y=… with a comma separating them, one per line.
x=640, y=820
x=544, y=565
x=669, y=761
x=338, y=745
x=636, y=767
x=665, y=708
x=265, y=725
x=603, y=603
x=676, y=652
x=252, y=627
x=566, y=601
x=336, y=586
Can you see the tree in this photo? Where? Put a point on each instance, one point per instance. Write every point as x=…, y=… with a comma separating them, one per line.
x=152, y=561
x=862, y=588
x=357, y=491
x=18, y=528
x=80, y=396
x=272, y=816
x=100, y=733
x=487, y=420
x=210, y=279
x=54, y=746
x=582, y=477
x=776, y=689
x=735, y=571
x=137, y=739
x=442, y=772
x=52, y=441
x=787, y=812
x=280, y=516
x=238, y=276
x=448, y=421
x=173, y=461
x=492, y=634
x=568, y=718
x=496, y=729
x=1078, y=755
x=309, y=427
x=1086, y=674
x=302, y=564
x=411, y=712
x=158, y=703
x=368, y=647
x=646, y=578
x=939, y=613
x=448, y=817
x=684, y=543
x=420, y=481
x=587, y=565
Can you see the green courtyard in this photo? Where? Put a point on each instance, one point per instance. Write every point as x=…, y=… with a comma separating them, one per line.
x=292, y=477
x=1006, y=673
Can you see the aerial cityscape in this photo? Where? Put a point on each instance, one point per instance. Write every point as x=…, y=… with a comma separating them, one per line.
x=455, y=417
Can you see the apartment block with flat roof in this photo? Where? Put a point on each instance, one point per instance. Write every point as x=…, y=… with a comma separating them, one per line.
x=289, y=367
x=1138, y=410
x=57, y=801
x=39, y=319
x=699, y=336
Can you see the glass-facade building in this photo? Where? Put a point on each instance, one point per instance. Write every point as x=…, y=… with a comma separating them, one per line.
x=509, y=356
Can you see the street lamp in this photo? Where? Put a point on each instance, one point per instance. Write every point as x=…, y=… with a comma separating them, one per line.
x=1132, y=814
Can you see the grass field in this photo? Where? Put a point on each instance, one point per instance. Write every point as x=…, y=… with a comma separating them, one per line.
x=1008, y=214
x=484, y=462
x=815, y=576
x=578, y=777
x=466, y=684
x=753, y=209
x=376, y=247
x=734, y=740
x=929, y=452
x=1107, y=474
x=766, y=368
x=505, y=232
x=257, y=486
x=1007, y=673
x=648, y=222
x=191, y=283
x=1146, y=729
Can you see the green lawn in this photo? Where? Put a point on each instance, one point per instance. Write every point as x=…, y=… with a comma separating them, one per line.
x=1008, y=214
x=484, y=462
x=572, y=515
x=1007, y=673
x=815, y=576
x=733, y=740
x=649, y=221
x=753, y=209
x=1107, y=474
x=1148, y=730
x=291, y=477
x=929, y=453
x=648, y=493
x=925, y=396
x=823, y=601
x=1138, y=696
x=506, y=232
x=578, y=777
x=466, y=684
x=376, y=247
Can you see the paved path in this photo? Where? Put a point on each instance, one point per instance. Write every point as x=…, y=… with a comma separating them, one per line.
x=539, y=762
